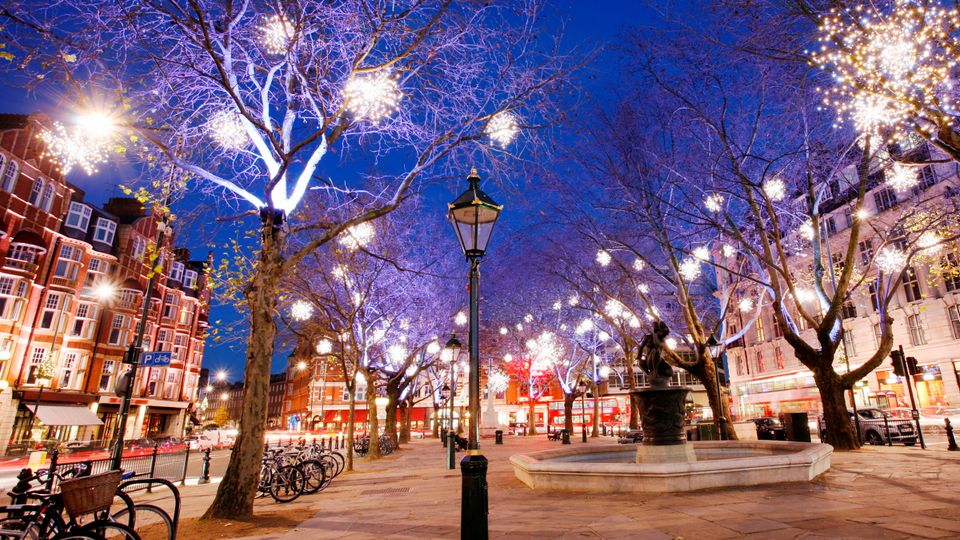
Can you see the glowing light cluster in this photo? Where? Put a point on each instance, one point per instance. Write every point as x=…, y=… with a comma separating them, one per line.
x=498, y=381
x=502, y=128
x=301, y=310
x=901, y=178
x=806, y=229
x=929, y=242
x=324, y=346
x=891, y=260
x=460, y=319
x=805, y=295
x=746, y=305
x=546, y=351
x=85, y=144
x=615, y=309
x=775, y=189
x=701, y=253
x=358, y=236
x=892, y=64
x=714, y=202
x=638, y=265
x=373, y=96
x=584, y=326
x=276, y=33
x=603, y=257
x=226, y=129
x=671, y=342
x=690, y=269
x=728, y=250
x=643, y=288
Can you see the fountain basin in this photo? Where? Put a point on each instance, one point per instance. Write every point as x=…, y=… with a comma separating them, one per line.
x=610, y=468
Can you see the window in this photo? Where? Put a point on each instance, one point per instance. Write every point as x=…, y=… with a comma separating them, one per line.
x=98, y=265
x=877, y=334
x=848, y=346
x=866, y=252
x=927, y=178
x=78, y=217
x=36, y=359
x=173, y=382
x=69, y=262
x=3, y=161
x=848, y=218
x=176, y=272
x=874, y=298
x=84, y=321
x=139, y=249
x=11, y=298
x=10, y=176
x=916, y=330
x=761, y=363
x=23, y=252
x=170, y=306
x=848, y=310
x=67, y=369
x=152, y=382
x=779, y=354
x=190, y=279
x=46, y=200
x=950, y=267
x=179, y=348
x=52, y=307
x=106, y=376
x=884, y=199
x=104, y=231
x=36, y=192
x=911, y=285
x=118, y=330
x=759, y=327
x=954, y=313
x=777, y=328
x=186, y=313
x=830, y=225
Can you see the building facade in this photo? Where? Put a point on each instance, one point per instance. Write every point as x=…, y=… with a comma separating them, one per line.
x=766, y=378
x=73, y=279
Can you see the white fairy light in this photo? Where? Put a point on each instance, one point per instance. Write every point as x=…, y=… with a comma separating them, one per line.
x=891, y=260
x=85, y=144
x=634, y=322
x=460, y=319
x=519, y=327
x=638, y=264
x=378, y=334
x=573, y=300
x=714, y=202
x=434, y=348
x=372, y=96
x=301, y=310
x=614, y=308
x=929, y=242
x=690, y=269
x=746, y=305
x=805, y=295
x=508, y=357
x=226, y=129
x=671, y=342
x=324, y=346
x=585, y=326
x=603, y=336
x=397, y=353
x=701, y=253
x=728, y=250
x=502, y=128
x=357, y=236
x=603, y=257
x=901, y=178
x=503, y=330
x=643, y=288
x=498, y=381
x=558, y=305
x=862, y=214
x=528, y=318
x=276, y=33
x=775, y=189
x=604, y=371
x=806, y=230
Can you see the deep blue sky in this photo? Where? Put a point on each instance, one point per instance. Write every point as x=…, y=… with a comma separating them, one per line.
x=586, y=26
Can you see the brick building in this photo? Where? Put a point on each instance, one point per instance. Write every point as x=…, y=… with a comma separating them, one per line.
x=73, y=279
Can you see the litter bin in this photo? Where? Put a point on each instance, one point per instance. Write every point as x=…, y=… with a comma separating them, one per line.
x=693, y=434
x=795, y=427
x=564, y=436
x=708, y=432
x=499, y=435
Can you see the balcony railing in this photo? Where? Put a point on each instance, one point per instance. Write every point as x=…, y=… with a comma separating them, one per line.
x=23, y=266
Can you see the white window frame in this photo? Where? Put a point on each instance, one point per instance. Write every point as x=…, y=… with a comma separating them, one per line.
x=36, y=192
x=105, y=228
x=190, y=279
x=176, y=272
x=78, y=217
x=46, y=199
x=10, y=174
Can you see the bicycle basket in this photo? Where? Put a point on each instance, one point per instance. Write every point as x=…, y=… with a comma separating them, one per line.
x=89, y=494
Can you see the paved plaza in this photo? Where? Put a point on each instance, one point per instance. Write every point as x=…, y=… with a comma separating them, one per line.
x=875, y=493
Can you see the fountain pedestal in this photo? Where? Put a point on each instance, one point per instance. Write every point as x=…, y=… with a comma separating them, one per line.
x=662, y=412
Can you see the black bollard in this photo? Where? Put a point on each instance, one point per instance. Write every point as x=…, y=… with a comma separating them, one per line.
x=205, y=468
x=443, y=437
x=951, y=439
x=499, y=434
x=451, y=450
x=564, y=436
x=23, y=485
x=473, y=509
x=51, y=475
x=603, y=429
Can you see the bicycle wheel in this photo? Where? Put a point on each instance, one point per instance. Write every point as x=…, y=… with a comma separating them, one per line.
x=121, y=510
x=286, y=484
x=314, y=476
x=148, y=516
x=105, y=530
x=341, y=462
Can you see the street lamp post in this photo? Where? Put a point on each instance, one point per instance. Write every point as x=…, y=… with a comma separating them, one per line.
x=452, y=352
x=582, y=387
x=473, y=215
x=41, y=382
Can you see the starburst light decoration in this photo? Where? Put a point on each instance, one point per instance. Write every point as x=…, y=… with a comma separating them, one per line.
x=701, y=253
x=85, y=144
x=643, y=288
x=397, y=353
x=275, y=34
x=558, y=305
x=503, y=330
x=891, y=260
x=584, y=326
x=806, y=229
x=373, y=96
x=498, y=381
x=714, y=202
x=638, y=264
x=746, y=305
x=614, y=308
x=460, y=319
x=603, y=257
x=324, y=346
x=805, y=295
x=502, y=128
x=901, y=178
x=690, y=269
x=670, y=342
x=929, y=242
x=728, y=250
x=226, y=129
x=573, y=300
x=301, y=310
x=775, y=189
x=892, y=64
x=357, y=236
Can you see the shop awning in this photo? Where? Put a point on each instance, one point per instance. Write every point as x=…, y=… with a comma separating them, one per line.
x=65, y=415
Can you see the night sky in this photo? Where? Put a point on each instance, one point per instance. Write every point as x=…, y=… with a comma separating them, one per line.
x=586, y=26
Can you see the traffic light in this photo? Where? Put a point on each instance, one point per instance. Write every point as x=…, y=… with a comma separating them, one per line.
x=912, y=366
x=896, y=357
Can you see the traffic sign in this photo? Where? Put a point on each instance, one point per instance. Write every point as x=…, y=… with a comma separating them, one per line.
x=156, y=359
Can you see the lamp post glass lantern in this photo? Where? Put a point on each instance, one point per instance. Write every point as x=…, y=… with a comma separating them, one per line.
x=473, y=215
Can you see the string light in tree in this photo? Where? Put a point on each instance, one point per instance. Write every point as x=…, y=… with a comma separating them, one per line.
x=728, y=250
x=643, y=288
x=701, y=253
x=357, y=236
x=690, y=269
x=301, y=310
x=603, y=257
x=638, y=265
x=775, y=189
x=714, y=202
x=502, y=128
x=372, y=96
x=929, y=242
x=460, y=319
x=498, y=381
x=891, y=260
x=901, y=178
x=276, y=33
x=746, y=305
x=85, y=144
x=573, y=300
x=226, y=129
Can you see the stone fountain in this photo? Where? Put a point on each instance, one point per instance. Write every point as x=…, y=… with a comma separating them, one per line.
x=665, y=461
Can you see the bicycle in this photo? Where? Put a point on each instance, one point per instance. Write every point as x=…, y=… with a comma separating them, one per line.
x=281, y=481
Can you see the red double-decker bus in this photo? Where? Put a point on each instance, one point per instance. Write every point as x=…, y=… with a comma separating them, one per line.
x=609, y=412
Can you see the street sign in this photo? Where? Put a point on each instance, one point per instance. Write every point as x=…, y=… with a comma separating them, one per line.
x=156, y=359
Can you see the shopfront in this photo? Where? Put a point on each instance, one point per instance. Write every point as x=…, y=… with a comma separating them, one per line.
x=928, y=388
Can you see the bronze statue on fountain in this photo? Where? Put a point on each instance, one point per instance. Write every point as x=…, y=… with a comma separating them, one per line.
x=662, y=407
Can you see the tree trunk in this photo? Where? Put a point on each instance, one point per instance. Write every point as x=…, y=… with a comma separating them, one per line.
x=596, y=411
x=436, y=421
x=839, y=429
x=235, y=494
x=568, y=400
x=707, y=375
x=532, y=417
x=390, y=417
x=374, y=451
x=406, y=412
x=632, y=385
x=351, y=428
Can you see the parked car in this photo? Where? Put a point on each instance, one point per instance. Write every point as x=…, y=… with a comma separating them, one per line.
x=631, y=437
x=770, y=429
x=877, y=426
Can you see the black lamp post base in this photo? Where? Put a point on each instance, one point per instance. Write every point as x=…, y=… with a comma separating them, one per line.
x=473, y=509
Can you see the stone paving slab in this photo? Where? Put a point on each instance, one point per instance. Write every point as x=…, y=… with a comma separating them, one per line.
x=875, y=493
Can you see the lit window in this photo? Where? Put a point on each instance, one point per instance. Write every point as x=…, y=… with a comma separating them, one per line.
x=78, y=217
x=917, y=336
x=46, y=200
x=10, y=176
x=105, y=231
x=36, y=192
x=190, y=279
x=176, y=271
x=139, y=248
